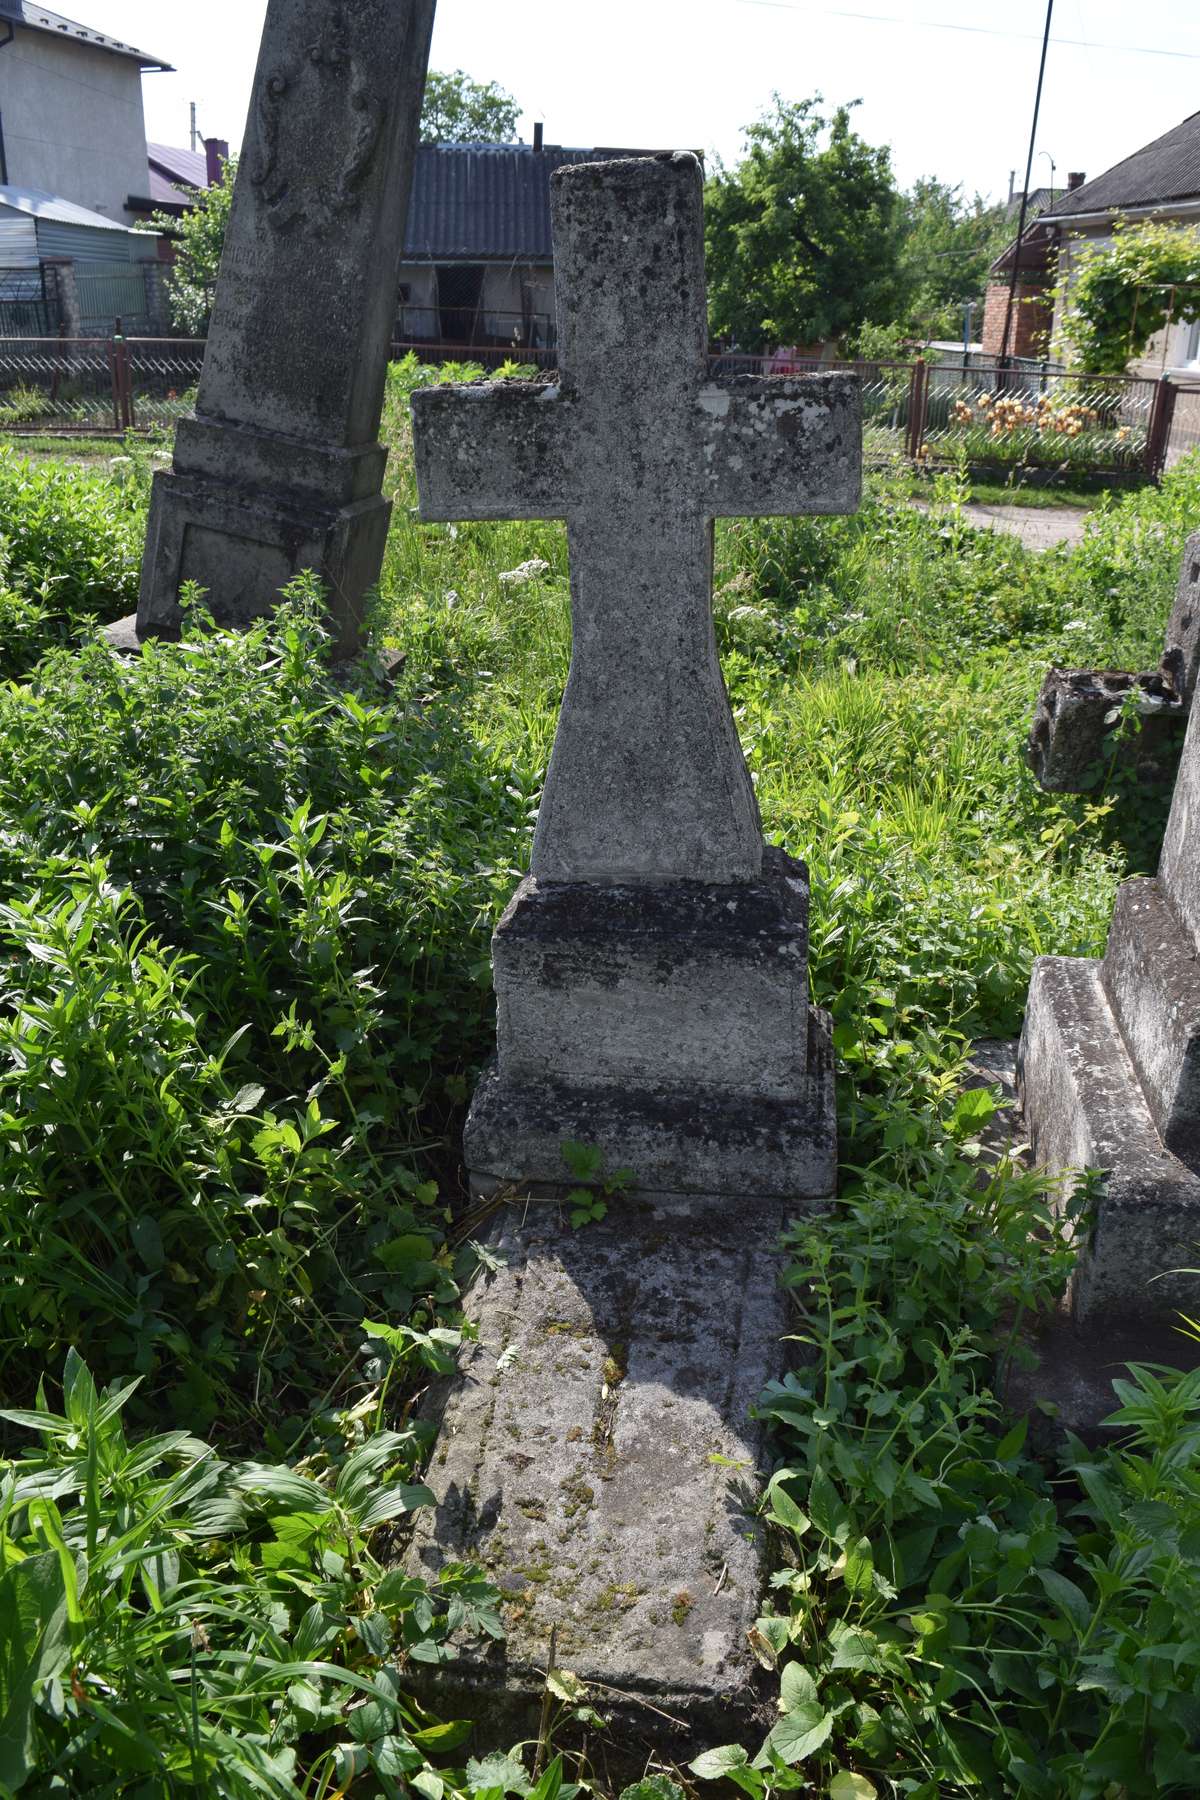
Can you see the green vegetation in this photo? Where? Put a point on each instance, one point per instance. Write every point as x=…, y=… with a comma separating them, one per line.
x=947, y=246
x=1122, y=293
x=803, y=235
x=809, y=239
x=458, y=110
x=244, y=989
x=198, y=238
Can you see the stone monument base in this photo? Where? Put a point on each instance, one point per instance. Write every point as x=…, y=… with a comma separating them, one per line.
x=1085, y=1108
x=577, y=1463
x=1071, y=741
x=242, y=513
x=668, y=1027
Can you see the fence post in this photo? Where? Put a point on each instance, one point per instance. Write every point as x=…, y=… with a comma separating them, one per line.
x=1158, y=433
x=66, y=290
x=917, y=391
x=114, y=366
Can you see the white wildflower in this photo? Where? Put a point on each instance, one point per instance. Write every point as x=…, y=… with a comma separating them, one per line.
x=526, y=571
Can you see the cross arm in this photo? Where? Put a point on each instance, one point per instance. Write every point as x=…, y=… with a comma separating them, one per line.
x=781, y=445
x=492, y=450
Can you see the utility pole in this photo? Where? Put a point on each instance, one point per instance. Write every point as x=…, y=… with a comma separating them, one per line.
x=195, y=135
x=1016, y=273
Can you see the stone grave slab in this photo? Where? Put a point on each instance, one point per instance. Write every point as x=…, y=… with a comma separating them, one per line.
x=1110, y=1080
x=1070, y=740
x=280, y=470
x=576, y=1464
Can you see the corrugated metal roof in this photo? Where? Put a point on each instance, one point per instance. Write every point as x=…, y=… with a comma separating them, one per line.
x=39, y=205
x=486, y=202
x=1168, y=169
x=84, y=244
x=40, y=18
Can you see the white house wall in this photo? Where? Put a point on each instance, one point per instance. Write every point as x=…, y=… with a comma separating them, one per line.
x=73, y=122
x=509, y=293
x=419, y=313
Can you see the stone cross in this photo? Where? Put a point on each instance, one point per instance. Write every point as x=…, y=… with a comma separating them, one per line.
x=639, y=450
x=280, y=469
x=652, y=985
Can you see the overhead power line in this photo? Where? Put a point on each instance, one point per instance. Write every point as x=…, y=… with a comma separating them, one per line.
x=1032, y=37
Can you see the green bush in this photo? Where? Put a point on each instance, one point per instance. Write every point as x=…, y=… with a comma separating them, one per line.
x=70, y=555
x=245, y=970
x=174, y=1624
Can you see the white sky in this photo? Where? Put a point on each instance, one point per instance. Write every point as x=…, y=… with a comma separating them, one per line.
x=665, y=73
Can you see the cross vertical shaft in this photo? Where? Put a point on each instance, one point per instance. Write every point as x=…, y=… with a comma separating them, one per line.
x=639, y=451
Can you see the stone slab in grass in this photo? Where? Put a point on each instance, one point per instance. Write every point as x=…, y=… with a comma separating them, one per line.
x=597, y=1457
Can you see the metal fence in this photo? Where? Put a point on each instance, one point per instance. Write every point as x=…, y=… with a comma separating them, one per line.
x=112, y=298
x=27, y=306
x=475, y=334
x=1021, y=414
x=1184, y=430
x=1031, y=416
x=96, y=385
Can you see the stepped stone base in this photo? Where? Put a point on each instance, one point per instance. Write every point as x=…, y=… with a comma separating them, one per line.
x=576, y=1464
x=1086, y=1109
x=698, y=1143
x=670, y=1027
x=244, y=512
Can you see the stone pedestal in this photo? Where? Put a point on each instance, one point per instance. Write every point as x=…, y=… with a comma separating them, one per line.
x=668, y=1026
x=291, y=507
x=1110, y=1080
x=1071, y=739
x=280, y=471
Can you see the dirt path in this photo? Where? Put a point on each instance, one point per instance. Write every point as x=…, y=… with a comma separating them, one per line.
x=1038, y=527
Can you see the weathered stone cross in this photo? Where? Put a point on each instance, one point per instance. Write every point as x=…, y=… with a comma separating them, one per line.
x=639, y=450
x=652, y=992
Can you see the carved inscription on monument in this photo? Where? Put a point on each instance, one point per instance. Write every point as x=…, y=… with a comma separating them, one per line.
x=296, y=187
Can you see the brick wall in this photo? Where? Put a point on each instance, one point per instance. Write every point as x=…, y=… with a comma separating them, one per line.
x=1033, y=315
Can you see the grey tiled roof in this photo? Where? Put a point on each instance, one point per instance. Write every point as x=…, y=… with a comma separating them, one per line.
x=40, y=18
x=486, y=202
x=1168, y=169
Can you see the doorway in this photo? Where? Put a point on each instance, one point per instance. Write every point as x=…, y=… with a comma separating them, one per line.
x=460, y=289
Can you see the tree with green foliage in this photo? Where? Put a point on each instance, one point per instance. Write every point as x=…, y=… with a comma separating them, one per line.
x=199, y=238
x=1119, y=295
x=948, y=243
x=458, y=110
x=804, y=234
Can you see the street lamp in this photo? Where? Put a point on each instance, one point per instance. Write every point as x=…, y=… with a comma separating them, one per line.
x=1053, y=166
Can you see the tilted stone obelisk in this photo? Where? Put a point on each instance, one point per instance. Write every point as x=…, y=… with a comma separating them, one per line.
x=651, y=976
x=280, y=469
x=1110, y=1080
